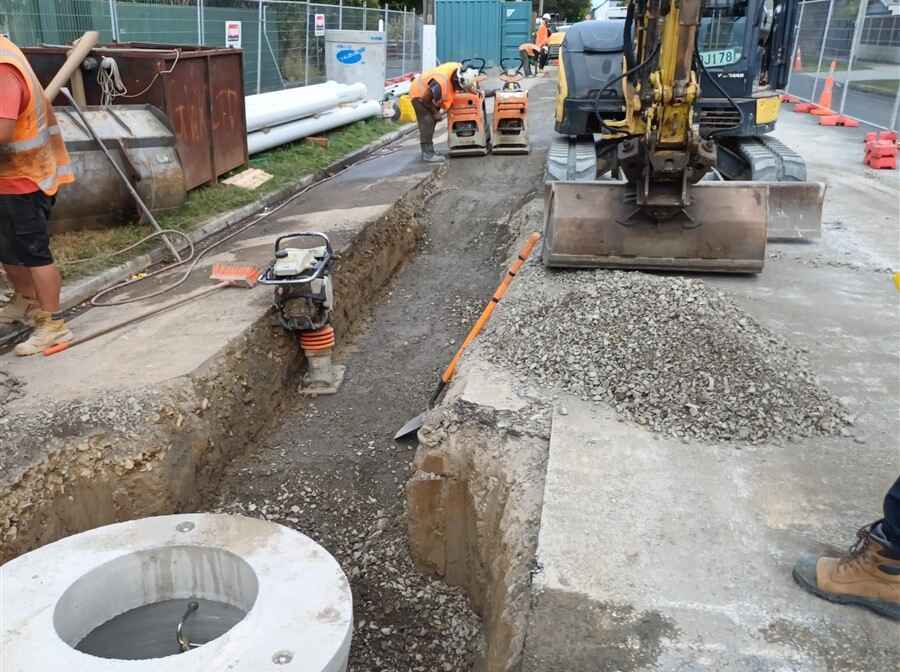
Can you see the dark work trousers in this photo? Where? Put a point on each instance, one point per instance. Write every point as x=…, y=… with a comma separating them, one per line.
x=526, y=62
x=543, y=58
x=425, y=119
x=892, y=515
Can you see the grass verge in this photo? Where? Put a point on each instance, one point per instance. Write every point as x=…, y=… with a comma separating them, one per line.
x=881, y=87
x=287, y=164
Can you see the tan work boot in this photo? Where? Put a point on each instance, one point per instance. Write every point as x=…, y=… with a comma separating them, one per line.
x=869, y=576
x=19, y=309
x=47, y=332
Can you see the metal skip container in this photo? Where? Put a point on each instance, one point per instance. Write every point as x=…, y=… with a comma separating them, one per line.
x=142, y=143
x=353, y=56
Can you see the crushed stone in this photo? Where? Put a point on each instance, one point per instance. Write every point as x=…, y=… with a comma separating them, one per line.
x=11, y=388
x=669, y=353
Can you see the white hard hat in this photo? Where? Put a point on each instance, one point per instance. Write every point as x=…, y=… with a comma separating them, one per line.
x=546, y=17
x=468, y=78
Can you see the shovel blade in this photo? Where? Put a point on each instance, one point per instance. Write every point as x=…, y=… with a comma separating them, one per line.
x=411, y=427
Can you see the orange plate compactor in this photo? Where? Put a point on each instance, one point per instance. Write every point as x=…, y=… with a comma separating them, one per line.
x=467, y=131
x=509, y=127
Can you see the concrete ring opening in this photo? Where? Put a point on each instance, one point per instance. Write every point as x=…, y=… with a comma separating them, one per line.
x=130, y=608
x=182, y=593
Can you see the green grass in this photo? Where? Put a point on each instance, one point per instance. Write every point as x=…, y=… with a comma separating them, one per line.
x=287, y=164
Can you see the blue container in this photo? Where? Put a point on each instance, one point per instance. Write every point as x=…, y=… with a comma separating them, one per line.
x=468, y=29
x=516, y=27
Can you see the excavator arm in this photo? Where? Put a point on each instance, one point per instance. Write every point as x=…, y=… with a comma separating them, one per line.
x=662, y=216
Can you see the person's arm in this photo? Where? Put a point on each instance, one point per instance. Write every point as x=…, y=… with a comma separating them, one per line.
x=433, y=93
x=10, y=101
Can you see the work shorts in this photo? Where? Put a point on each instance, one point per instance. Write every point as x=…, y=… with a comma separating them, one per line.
x=24, y=233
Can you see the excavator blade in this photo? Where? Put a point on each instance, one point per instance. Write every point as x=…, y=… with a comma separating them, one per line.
x=795, y=210
x=594, y=224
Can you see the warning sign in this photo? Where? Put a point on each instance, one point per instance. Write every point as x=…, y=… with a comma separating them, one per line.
x=233, y=34
x=320, y=25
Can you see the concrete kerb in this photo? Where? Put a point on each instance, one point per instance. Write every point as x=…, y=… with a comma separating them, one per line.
x=82, y=290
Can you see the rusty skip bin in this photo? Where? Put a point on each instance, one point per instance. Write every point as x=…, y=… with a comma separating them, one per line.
x=199, y=89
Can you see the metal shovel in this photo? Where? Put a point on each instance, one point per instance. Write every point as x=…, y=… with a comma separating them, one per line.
x=416, y=423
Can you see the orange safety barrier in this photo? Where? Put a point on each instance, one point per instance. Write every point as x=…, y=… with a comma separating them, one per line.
x=881, y=150
x=837, y=120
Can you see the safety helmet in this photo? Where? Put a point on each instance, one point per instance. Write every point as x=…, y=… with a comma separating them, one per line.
x=546, y=17
x=468, y=78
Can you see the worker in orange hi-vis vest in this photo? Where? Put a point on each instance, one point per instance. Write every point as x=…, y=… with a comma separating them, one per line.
x=431, y=94
x=543, y=37
x=529, y=53
x=33, y=165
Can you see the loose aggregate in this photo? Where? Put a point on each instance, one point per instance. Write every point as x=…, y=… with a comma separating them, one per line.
x=669, y=353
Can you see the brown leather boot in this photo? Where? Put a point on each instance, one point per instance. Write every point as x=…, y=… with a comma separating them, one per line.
x=869, y=576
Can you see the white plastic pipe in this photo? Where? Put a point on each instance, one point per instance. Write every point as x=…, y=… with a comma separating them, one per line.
x=398, y=90
x=280, y=107
x=260, y=141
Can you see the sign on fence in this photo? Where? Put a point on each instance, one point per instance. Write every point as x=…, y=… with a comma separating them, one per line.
x=320, y=25
x=233, y=34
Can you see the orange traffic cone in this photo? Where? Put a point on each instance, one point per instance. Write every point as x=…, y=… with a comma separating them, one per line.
x=798, y=65
x=824, y=105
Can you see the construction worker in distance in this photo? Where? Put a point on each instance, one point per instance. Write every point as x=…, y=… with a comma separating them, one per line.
x=33, y=165
x=869, y=576
x=543, y=38
x=431, y=95
x=529, y=53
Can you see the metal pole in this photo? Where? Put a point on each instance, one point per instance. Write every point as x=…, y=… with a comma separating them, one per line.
x=893, y=124
x=787, y=86
x=403, y=46
x=857, y=36
x=199, y=28
x=340, y=14
x=365, y=23
x=113, y=20
x=812, y=96
x=306, y=50
x=259, y=41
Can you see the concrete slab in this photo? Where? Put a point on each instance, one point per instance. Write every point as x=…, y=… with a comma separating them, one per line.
x=662, y=555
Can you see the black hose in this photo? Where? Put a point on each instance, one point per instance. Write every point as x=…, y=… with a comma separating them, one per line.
x=627, y=37
x=704, y=71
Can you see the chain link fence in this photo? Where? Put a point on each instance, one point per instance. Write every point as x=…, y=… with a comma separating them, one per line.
x=281, y=47
x=860, y=47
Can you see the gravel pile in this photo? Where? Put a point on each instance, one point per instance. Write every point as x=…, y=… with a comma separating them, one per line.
x=667, y=352
x=403, y=621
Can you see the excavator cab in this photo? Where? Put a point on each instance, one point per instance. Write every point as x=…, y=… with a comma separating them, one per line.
x=663, y=159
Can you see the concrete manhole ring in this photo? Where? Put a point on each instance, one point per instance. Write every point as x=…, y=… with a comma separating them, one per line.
x=261, y=596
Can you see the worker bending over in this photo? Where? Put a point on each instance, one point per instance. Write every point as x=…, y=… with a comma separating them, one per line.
x=431, y=94
x=33, y=164
x=529, y=53
x=542, y=41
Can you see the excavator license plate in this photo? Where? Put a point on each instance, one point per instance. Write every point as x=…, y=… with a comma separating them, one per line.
x=724, y=230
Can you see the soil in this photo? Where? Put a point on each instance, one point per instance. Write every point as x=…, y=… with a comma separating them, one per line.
x=331, y=468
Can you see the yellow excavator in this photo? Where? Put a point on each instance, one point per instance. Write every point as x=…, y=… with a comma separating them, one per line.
x=663, y=161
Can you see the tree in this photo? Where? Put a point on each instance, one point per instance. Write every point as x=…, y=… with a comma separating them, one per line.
x=568, y=10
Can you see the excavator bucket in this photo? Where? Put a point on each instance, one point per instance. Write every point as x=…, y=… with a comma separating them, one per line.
x=724, y=230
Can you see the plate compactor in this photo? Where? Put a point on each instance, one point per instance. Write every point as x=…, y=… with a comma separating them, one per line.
x=304, y=300
x=467, y=130
x=509, y=126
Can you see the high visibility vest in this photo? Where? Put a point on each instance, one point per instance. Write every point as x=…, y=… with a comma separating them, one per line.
x=37, y=150
x=543, y=35
x=529, y=48
x=443, y=75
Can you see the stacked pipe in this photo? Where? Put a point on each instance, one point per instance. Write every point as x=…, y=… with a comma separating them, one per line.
x=280, y=117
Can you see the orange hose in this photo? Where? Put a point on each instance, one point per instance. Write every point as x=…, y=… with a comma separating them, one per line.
x=489, y=309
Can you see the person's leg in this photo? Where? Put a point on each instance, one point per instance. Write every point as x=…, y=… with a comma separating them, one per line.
x=891, y=526
x=870, y=575
x=32, y=247
x=426, y=123
x=47, y=283
x=13, y=207
x=526, y=62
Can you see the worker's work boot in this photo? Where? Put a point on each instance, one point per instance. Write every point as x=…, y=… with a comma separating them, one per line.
x=19, y=309
x=429, y=155
x=47, y=332
x=869, y=576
